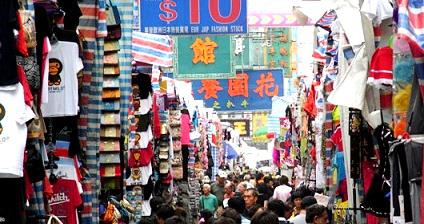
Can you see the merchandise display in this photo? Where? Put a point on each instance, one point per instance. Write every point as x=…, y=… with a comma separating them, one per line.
x=118, y=111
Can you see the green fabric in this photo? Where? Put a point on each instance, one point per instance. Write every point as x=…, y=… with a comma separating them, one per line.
x=209, y=202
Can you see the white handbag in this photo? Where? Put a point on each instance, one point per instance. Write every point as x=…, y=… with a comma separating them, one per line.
x=54, y=220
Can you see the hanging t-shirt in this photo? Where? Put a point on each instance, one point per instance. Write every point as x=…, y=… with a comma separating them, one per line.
x=64, y=64
x=13, y=130
x=65, y=200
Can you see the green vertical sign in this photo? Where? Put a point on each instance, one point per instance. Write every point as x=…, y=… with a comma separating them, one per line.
x=203, y=57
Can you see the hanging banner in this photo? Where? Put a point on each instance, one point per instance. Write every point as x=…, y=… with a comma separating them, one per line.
x=280, y=14
x=187, y=17
x=259, y=127
x=203, y=57
x=250, y=90
x=240, y=125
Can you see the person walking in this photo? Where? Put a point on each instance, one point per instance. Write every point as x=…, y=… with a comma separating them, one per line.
x=208, y=201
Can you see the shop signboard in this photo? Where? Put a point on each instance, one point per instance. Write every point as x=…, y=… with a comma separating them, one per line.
x=203, y=57
x=249, y=91
x=240, y=125
x=188, y=17
x=259, y=127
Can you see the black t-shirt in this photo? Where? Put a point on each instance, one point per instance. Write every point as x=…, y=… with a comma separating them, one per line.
x=8, y=22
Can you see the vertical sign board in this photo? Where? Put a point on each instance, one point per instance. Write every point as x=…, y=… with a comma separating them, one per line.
x=249, y=91
x=203, y=57
x=187, y=17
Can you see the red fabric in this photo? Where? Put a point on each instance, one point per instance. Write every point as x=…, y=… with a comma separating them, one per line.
x=21, y=45
x=368, y=174
x=185, y=129
x=337, y=139
x=116, y=170
x=156, y=118
x=23, y=80
x=310, y=106
x=342, y=189
x=140, y=157
x=65, y=200
x=381, y=68
x=28, y=186
x=276, y=157
x=48, y=188
x=313, y=153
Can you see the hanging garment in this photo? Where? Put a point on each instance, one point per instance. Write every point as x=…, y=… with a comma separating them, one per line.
x=64, y=64
x=14, y=114
x=400, y=184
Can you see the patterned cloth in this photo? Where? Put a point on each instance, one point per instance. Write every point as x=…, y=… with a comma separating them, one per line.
x=87, y=197
x=92, y=27
x=126, y=13
x=36, y=202
x=410, y=26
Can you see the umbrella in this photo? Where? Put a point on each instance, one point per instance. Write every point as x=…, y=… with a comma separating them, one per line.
x=230, y=151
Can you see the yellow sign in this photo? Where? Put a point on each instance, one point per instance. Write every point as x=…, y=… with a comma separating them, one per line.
x=259, y=127
x=204, y=51
x=240, y=126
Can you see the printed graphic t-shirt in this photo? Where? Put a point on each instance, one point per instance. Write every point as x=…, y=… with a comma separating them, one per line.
x=64, y=64
x=13, y=130
x=65, y=200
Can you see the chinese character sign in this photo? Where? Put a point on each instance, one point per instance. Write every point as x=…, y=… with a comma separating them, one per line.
x=184, y=17
x=240, y=125
x=203, y=57
x=249, y=90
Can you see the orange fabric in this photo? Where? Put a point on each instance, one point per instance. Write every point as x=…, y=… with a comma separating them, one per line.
x=310, y=106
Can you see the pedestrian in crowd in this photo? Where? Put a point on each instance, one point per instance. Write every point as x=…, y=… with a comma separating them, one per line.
x=241, y=188
x=146, y=220
x=232, y=214
x=217, y=188
x=277, y=206
x=208, y=201
x=249, y=182
x=301, y=217
x=228, y=190
x=228, y=193
x=155, y=203
x=296, y=199
x=206, y=217
x=175, y=220
x=250, y=201
x=283, y=191
x=265, y=217
x=224, y=220
x=288, y=209
x=265, y=190
x=164, y=212
x=316, y=214
x=238, y=204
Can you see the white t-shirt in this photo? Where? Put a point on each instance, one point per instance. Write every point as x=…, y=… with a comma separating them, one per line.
x=13, y=130
x=64, y=64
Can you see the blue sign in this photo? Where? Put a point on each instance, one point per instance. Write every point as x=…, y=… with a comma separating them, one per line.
x=185, y=17
x=250, y=90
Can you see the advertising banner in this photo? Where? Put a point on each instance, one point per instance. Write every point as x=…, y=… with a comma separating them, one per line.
x=203, y=57
x=249, y=90
x=190, y=17
x=240, y=125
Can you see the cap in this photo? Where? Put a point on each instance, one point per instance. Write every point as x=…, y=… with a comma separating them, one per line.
x=163, y=167
x=163, y=155
x=222, y=174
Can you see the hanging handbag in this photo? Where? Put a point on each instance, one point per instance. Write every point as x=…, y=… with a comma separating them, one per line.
x=54, y=220
x=36, y=127
x=113, y=22
x=31, y=69
x=28, y=23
